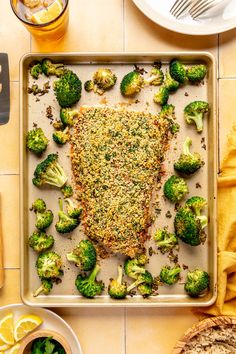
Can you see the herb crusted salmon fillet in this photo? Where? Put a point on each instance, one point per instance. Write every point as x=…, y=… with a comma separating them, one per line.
x=116, y=158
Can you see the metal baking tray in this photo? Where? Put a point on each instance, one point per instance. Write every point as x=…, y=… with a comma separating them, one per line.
x=204, y=256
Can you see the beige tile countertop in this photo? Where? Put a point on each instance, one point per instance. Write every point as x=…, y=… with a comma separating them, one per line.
x=102, y=331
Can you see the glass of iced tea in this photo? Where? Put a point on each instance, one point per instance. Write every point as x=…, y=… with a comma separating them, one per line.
x=46, y=19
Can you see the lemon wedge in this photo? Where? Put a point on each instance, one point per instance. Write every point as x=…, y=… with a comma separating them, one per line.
x=3, y=346
x=25, y=325
x=15, y=349
x=48, y=14
x=6, y=330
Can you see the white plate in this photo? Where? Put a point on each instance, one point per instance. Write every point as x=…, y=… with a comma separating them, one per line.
x=220, y=19
x=50, y=321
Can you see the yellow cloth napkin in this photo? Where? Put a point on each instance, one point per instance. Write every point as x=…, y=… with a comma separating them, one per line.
x=226, y=299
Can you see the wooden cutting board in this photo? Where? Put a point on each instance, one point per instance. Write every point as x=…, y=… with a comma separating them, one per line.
x=1, y=250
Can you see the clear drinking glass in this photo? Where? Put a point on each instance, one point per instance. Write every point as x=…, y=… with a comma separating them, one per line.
x=53, y=30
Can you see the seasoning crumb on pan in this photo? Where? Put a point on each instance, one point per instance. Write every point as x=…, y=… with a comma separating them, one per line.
x=168, y=214
x=49, y=114
x=198, y=185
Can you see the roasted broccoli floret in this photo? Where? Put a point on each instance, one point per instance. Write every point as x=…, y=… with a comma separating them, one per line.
x=58, y=125
x=188, y=163
x=175, y=188
x=68, y=89
x=196, y=73
x=39, y=205
x=156, y=77
x=165, y=240
x=84, y=255
x=43, y=220
x=67, y=191
x=117, y=289
x=50, y=68
x=67, y=116
x=131, y=83
x=161, y=97
x=145, y=289
x=73, y=210
x=65, y=223
x=170, y=275
x=49, y=172
x=36, y=141
x=104, y=79
x=89, y=85
x=133, y=268
x=61, y=137
x=40, y=241
x=194, y=113
x=142, y=259
x=167, y=111
x=196, y=204
x=197, y=282
x=178, y=71
x=49, y=265
x=88, y=286
x=145, y=277
x=45, y=287
x=190, y=227
x=36, y=70
x=170, y=83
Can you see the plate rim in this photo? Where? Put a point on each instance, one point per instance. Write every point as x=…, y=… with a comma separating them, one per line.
x=144, y=8
x=48, y=311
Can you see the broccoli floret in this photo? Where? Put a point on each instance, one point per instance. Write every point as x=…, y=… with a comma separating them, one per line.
x=72, y=210
x=45, y=288
x=89, y=85
x=133, y=268
x=88, y=286
x=40, y=241
x=171, y=84
x=188, y=163
x=58, y=125
x=197, y=282
x=194, y=113
x=156, y=77
x=170, y=275
x=49, y=172
x=131, y=83
x=49, y=265
x=104, y=79
x=175, y=188
x=67, y=116
x=50, y=68
x=61, y=137
x=117, y=289
x=142, y=259
x=145, y=277
x=196, y=204
x=189, y=227
x=39, y=205
x=165, y=240
x=167, y=111
x=145, y=289
x=36, y=70
x=65, y=223
x=67, y=191
x=178, y=71
x=161, y=97
x=68, y=89
x=43, y=220
x=196, y=73
x=36, y=141
x=84, y=255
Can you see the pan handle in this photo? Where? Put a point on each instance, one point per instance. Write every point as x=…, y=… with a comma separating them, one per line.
x=4, y=89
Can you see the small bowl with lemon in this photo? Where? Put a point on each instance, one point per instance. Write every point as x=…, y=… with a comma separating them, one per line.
x=21, y=325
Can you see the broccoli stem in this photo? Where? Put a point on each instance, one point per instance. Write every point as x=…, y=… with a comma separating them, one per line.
x=94, y=273
x=71, y=257
x=203, y=220
x=39, y=291
x=135, y=284
x=186, y=146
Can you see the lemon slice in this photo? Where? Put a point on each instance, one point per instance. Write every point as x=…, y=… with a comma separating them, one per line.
x=25, y=325
x=6, y=329
x=48, y=14
x=15, y=349
x=3, y=346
